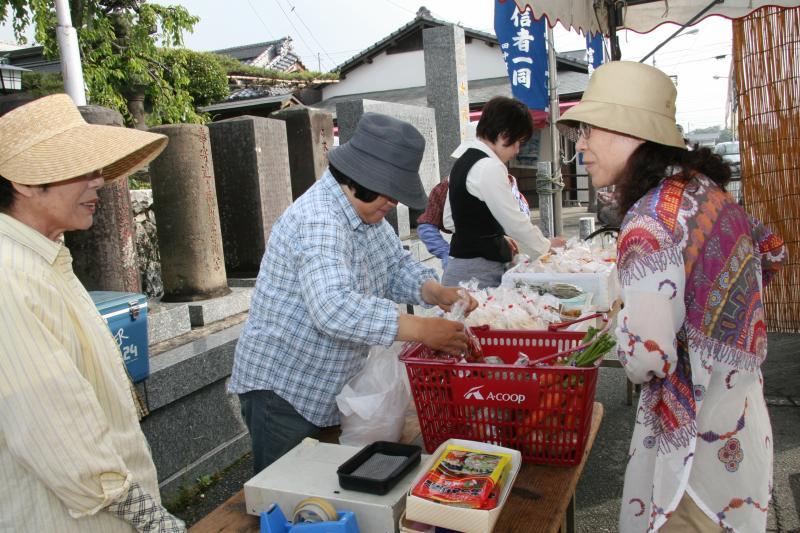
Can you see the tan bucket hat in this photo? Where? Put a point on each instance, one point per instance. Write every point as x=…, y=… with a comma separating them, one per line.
x=47, y=141
x=627, y=97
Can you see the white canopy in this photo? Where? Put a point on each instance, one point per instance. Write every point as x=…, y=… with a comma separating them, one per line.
x=640, y=17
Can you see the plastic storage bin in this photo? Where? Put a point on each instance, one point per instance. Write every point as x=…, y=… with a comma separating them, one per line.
x=541, y=410
x=126, y=316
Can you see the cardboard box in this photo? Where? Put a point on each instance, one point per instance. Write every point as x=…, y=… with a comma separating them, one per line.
x=309, y=469
x=460, y=518
x=126, y=316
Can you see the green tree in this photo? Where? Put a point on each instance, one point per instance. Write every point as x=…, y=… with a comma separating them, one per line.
x=208, y=79
x=119, y=43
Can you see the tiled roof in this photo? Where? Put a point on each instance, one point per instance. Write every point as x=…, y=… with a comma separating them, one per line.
x=277, y=101
x=258, y=92
x=249, y=52
x=570, y=85
x=424, y=19
x=276, y=55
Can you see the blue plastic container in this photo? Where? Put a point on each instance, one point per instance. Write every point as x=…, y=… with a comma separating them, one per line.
x=126, y=316
x=274, y=521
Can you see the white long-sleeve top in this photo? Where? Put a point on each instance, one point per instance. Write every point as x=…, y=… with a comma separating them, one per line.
x=488, y=181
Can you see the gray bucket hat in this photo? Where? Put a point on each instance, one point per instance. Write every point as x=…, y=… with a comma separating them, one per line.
x=384, y=155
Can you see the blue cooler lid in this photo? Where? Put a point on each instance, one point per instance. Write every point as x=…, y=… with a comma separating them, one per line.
x=109, y=301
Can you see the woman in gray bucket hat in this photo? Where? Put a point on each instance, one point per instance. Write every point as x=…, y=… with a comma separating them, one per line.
x=691, y=265
x=328, y=287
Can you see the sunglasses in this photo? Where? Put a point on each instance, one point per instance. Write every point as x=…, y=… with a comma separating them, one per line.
x=585, y=130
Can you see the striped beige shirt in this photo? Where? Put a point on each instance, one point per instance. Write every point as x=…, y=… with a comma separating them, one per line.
x=70, y=441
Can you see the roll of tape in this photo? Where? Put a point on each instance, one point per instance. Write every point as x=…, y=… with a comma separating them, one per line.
x=313, y=510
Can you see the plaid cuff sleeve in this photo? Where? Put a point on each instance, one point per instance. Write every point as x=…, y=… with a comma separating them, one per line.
x=141, y=510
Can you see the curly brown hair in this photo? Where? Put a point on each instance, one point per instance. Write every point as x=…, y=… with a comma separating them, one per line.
x=649, y=163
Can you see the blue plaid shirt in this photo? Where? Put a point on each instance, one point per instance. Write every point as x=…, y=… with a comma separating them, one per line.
x=325, y=293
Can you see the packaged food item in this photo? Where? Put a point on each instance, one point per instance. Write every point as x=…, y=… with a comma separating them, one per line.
x=465, y=477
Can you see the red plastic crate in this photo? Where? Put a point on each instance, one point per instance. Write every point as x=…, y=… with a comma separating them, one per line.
x=543, y=411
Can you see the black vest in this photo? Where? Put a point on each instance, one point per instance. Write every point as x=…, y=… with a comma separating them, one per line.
x=477, y=232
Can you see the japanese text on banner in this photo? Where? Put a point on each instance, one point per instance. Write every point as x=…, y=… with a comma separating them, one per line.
x=594, y=50
x=523, y=44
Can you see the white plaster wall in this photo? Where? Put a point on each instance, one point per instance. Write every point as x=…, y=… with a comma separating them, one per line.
x=484, y=61
x=386, y=72
x=399, y=71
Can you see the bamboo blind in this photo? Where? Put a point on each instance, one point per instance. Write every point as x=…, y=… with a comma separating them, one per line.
x=766, y=55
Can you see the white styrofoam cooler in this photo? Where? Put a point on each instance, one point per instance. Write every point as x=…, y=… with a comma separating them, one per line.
x=603, y=285
x=309, y=469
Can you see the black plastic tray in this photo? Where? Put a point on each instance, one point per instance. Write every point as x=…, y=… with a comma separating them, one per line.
x=378, y=467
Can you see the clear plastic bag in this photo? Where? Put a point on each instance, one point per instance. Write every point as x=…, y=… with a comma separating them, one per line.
x=458, y=313
x=373, y=404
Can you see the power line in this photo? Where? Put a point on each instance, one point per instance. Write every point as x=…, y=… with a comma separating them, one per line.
x=271, y=36
x=398, y=6
x=293, y=26
x=294, y=10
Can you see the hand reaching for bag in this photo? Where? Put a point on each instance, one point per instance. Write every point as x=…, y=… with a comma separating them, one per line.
x=436, y=294
x=436, y=333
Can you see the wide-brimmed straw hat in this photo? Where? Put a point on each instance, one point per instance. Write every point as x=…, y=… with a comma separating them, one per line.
x=627, y=97
x=384, y=155
x=47, y=141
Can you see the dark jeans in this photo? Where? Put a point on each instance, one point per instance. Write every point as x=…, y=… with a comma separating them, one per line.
x=275, y=426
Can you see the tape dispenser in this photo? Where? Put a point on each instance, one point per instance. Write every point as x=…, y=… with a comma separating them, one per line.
x=311, y=515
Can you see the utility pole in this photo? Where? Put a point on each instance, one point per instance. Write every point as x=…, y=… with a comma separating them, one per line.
x=71, y=68
x=319, y=63
x=557, y=183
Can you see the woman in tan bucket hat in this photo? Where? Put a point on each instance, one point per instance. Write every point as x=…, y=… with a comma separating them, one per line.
x=72, y=454
x=691, y=265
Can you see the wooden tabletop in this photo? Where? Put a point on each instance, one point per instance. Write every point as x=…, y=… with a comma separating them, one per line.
x=540, y=495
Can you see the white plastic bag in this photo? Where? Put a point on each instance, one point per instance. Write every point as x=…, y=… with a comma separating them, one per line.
x=373, y=404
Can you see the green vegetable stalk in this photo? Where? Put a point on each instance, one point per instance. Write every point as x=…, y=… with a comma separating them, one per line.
x=599, y=346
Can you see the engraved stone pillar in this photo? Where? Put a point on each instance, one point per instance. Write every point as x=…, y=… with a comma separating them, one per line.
x=446, y=88
x=310, y=134
x=251, y=168
x=104, y=256
x=185, y=204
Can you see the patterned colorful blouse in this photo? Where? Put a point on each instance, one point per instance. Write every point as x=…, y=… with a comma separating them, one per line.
x=693, y=333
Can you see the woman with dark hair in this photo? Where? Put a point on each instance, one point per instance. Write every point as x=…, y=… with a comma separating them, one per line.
x=72, y=454
x=691, y=265
x=489, y=228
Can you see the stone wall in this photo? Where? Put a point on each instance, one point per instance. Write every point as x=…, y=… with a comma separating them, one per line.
x=144, y=221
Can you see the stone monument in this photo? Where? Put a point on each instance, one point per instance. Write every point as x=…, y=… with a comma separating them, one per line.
x=185, y=204
x=251, y=169
x=446, y=88
x=310, y=135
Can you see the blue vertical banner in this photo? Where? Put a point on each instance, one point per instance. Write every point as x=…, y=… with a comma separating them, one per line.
x=594, y=50
x=523, y=44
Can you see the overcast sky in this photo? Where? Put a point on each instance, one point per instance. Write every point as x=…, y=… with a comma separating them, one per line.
x=328, y=32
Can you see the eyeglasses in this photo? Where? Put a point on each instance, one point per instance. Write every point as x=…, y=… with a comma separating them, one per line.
x=585, y=130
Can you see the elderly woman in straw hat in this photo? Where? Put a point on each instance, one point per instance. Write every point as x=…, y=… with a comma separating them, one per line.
x=328, y=287
x=72, y=455
x=692, y=332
